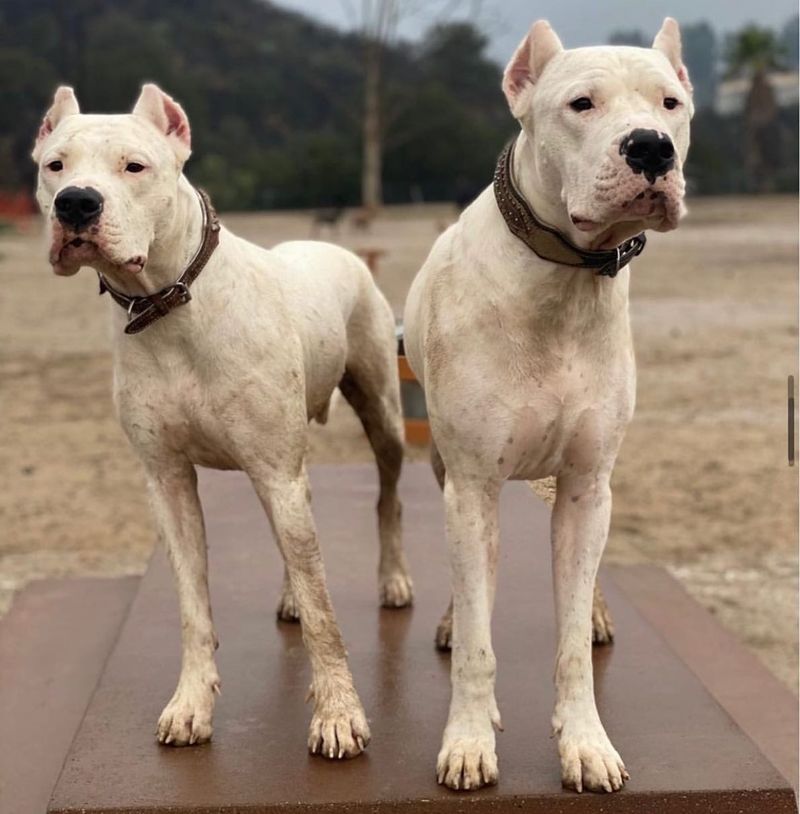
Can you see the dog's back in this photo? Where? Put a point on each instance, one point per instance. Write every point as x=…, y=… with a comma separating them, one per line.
x=335, y=294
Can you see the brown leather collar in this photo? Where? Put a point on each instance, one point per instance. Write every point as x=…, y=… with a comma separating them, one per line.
x=545, y=241
x=143, y=311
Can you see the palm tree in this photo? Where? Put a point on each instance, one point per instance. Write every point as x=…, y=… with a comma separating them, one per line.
x=754, y=52
x=754, y=49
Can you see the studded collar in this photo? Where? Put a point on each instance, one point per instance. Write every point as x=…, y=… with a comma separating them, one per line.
x=143, y=311
x=547, y=242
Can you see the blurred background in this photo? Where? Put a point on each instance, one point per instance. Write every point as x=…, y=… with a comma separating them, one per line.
x=371, y=123
x=276, y=92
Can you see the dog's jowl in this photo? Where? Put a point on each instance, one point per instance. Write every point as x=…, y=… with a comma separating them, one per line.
x=517, y=326
x=223, y=352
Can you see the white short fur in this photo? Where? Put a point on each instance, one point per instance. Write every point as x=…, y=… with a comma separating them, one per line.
x=529, y=371
x=230, y=381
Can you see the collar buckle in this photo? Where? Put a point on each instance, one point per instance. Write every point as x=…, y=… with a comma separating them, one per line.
x=546, y=241
x=624, y=254
x=184, y=295
x=142, y=311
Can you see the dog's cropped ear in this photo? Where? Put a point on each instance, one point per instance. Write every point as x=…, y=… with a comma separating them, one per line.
x=168, y=116
x=64, y=104
x=668, y=41
x=526, y=66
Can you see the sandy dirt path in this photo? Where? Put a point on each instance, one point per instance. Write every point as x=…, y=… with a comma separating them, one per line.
x=702, y=485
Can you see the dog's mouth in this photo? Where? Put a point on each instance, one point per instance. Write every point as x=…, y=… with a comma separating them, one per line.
x=69, y=254
x=647, y=205
x=79, y=243
x=649, y=209
x=621, y=204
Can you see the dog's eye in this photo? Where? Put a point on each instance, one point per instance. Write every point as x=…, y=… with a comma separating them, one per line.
x=580, y=104
x=55, y=166
x=134, y=167
x=670, y=103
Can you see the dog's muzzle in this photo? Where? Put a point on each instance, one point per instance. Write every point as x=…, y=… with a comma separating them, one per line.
x=78, y=207
x=648, y=152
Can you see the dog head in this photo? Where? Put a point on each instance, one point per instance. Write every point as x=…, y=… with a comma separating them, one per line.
x=609, y=129
x=108, y=184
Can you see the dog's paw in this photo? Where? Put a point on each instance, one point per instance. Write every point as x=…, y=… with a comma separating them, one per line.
x=287, y=607
x=396, y=590
x=602, y=626
x=467, y=762
x=444, y=633
x=588, y=760
x=602, y=623
x=186, y=720
x=339, y=728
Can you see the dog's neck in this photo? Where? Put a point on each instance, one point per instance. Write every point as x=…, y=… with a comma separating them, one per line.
x=529, y=181
x=576, y=297
x=171, y=251
x=552, y=210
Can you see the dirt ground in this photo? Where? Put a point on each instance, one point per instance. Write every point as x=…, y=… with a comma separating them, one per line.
x=702, y=485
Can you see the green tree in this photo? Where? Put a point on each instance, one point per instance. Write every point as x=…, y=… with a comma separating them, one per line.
x=628, y=37
x=790, y=40
x=450, y=117
x=754, y=52
x=701, y=53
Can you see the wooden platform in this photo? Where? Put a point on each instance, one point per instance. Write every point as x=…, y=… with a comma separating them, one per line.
x=760, y=704
x=684, y=752
x=53, y=646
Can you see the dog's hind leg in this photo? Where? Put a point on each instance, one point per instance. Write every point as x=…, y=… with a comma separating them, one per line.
x=339, y=727
x=287, y=607
x=602, y=623
x=444, y=632
x=437, y=464
x=186, y=719
x=371, y=385
x=374, y=397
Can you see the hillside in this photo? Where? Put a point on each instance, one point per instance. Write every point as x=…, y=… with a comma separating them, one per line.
x=275, y=100
x=273, y=97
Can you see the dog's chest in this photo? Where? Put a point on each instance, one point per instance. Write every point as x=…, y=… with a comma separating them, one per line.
x=571, y=416
x=176, y=411
x=203, y=433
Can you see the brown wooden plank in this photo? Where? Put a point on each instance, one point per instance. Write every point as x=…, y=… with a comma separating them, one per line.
x=760, y=704
x=685, y=754
x=54, y=643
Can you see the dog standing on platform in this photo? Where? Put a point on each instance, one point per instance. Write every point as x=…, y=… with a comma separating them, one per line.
x=517, y=327
x=225, y=374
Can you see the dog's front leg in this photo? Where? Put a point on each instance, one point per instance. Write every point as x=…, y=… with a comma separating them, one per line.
x=338, y=726
x=580, y=529
x=186, y=719
x=467, y=759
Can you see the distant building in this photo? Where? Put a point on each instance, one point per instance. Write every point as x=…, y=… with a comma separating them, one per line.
x=732, y=93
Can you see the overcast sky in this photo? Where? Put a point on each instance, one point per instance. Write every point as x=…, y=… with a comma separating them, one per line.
x=578, y=22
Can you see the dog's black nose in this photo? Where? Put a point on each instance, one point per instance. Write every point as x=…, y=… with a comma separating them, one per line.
x=77, y=207
x=648, y=151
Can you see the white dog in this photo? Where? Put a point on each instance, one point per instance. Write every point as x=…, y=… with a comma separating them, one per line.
x=517, y=326
x=225, y=374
